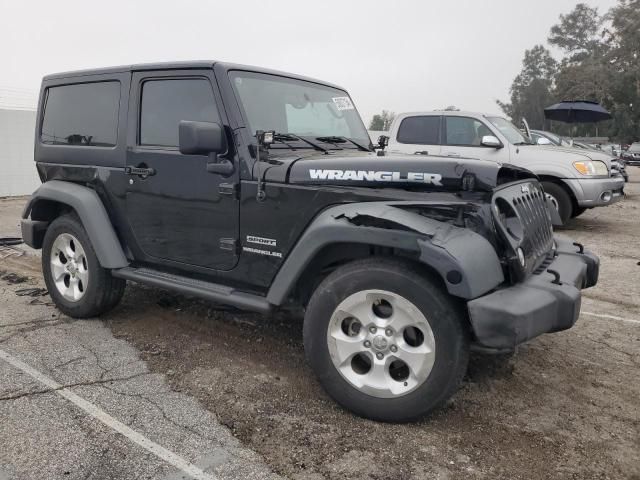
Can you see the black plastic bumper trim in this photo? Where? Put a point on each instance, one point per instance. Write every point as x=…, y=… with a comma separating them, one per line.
x=33, y=232
x=512, y=315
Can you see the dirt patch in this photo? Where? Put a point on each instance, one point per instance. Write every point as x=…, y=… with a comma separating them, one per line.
x=564, y=406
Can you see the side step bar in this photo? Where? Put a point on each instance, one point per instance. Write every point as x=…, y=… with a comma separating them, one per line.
x=197, y=288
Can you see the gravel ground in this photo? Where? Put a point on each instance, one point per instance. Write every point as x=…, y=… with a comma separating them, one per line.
x=565, y=405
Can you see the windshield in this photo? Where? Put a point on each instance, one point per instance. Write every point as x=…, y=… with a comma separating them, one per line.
x=635, y=147
x=509, y=130
x=553, y=137
x=297, y=107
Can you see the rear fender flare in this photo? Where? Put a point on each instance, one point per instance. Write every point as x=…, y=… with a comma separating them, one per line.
x=445, y=248
x=87, y=204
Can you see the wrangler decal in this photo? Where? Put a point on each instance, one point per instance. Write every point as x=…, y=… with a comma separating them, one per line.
x=375, y=176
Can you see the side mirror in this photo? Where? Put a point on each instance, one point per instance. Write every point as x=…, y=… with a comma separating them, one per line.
x=491, y=141
x=201, y=138
x=204, y=138
x=543, y=141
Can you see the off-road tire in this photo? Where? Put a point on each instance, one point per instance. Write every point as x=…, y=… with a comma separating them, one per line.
x=565, y=205
x=417, y=285
x=103, y=292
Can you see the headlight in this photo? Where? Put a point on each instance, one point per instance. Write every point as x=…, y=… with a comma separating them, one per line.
x=591, y=168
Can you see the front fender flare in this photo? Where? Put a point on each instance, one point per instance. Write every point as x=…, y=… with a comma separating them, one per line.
x=466, y=261
x=87, y=204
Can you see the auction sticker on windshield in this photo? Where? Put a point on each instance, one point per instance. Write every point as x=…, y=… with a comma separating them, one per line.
x=343, y=103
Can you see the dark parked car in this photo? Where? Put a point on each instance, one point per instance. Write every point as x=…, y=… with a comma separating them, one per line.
x=632, y=154
x=261, y=190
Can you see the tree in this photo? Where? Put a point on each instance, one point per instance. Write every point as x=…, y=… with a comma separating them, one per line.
x=578, y=33
x=382, y=121
x=531, y=90
x=623, y=62
x=601, y=63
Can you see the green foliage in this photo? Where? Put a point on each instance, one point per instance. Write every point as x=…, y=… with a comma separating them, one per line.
x=601, y=62
x=382, y=121
x=531, y=89
x=578, y=32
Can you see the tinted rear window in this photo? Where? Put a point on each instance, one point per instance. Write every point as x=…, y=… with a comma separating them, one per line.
x=84, y=114
x=423, y=130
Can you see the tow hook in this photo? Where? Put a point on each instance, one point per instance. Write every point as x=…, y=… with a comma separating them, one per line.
x=556, y=276
x=580, y=246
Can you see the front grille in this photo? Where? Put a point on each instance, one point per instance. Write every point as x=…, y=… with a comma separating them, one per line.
x=538, y=232
x=536, y=238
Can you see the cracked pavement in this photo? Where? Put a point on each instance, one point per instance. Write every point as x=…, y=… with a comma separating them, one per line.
x=45, y=436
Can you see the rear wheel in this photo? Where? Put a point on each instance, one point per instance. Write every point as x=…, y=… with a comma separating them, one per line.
x=385, y=340
x=76, y=281
x=560, y=199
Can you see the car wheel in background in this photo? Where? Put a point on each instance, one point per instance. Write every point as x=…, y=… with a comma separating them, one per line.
x=560, y=199
x=578, y=211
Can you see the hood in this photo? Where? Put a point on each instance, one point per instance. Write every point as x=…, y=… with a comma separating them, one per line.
x=580, y=154
x=415, y=172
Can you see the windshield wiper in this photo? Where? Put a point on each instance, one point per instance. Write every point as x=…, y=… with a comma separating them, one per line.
x=338, y=139
x=288, y=137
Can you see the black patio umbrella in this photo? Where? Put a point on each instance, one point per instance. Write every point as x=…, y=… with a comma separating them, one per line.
x=580, y=111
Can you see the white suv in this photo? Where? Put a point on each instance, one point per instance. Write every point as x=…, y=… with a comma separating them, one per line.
x=575, y=179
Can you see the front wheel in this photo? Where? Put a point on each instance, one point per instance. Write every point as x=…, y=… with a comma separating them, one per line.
x=385, y=340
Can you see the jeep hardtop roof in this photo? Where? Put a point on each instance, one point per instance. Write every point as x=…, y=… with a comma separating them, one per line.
x=184, y=65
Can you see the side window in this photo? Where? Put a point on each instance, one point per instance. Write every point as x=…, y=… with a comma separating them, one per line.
x=424, y=130
x=465, y=131
x=166, y=102
x=82, y=114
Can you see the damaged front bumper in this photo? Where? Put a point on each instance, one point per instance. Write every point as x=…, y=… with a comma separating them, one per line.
x=547, y=301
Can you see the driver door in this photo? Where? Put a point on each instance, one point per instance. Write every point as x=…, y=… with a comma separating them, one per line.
x=178, y=212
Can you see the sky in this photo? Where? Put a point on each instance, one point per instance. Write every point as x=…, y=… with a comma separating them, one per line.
x=405, y=55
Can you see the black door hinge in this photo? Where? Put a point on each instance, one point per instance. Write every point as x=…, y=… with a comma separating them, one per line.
x=228, y=189
x=230, y=244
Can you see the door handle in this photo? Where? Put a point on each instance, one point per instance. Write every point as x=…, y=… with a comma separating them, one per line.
x=422, y=152
x=452, y=154
x=140, y=171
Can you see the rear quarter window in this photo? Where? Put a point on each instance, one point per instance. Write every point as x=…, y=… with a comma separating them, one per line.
x=82, y=114
x=420, y=130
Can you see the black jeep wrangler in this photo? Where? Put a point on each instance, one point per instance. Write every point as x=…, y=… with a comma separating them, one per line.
x=262, y=190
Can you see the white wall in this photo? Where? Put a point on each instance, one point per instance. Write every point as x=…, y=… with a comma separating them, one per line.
x=18, y=174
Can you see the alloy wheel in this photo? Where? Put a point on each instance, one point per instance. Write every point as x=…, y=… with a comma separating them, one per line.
x=381, y=343
x=69, y=267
